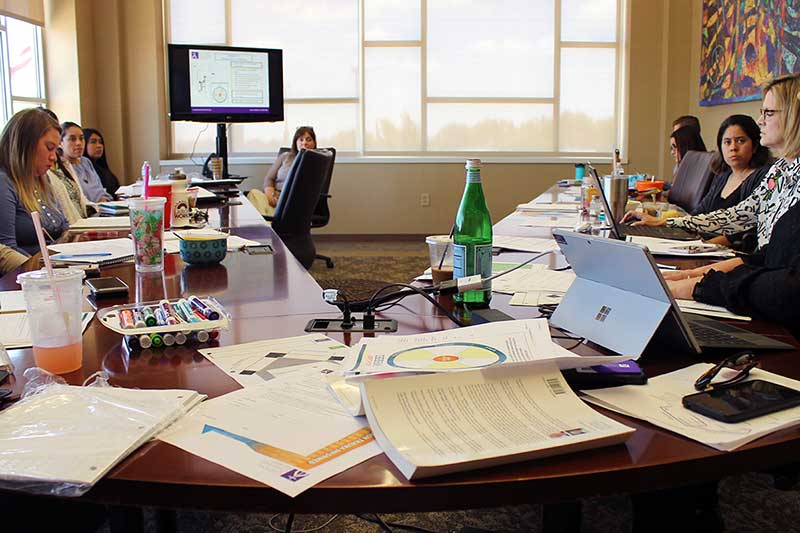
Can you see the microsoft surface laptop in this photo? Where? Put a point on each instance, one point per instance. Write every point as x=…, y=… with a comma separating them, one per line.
x=620, y=230
x=620, y=300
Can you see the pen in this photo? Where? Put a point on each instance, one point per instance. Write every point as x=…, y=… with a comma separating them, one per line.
x=666, y=267
x=75, y=256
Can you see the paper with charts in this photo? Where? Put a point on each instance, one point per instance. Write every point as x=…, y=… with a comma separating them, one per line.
x=482, y=346
x=256, y=362
x=659, y=402
x=287, y=433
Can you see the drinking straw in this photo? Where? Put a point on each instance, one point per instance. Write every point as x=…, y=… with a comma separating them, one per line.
x=446, y=246
x=37, y=224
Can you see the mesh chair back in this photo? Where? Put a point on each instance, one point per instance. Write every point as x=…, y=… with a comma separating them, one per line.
x=692, y=180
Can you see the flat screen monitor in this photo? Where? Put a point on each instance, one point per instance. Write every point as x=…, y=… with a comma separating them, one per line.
x=225, y=83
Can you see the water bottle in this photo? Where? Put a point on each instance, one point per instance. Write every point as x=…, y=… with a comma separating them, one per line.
x=472, y=239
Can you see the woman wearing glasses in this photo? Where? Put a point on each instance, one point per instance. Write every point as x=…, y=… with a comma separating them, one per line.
x=304, y=139
x=766, y=284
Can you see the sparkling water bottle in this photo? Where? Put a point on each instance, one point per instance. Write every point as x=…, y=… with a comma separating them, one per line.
x=472, y=239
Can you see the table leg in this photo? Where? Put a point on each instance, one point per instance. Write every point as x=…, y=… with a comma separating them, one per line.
x=561, y=517
x=125, y=519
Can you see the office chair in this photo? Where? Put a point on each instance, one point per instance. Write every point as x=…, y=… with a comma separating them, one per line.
x=692, y=180
x=299, y=198
x=322, y=213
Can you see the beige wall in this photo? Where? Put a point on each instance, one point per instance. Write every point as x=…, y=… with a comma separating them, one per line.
x=128, y=105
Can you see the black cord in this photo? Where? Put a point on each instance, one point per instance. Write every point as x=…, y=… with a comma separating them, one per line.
x=580, y=341
x=421, y=292
x=407, y=527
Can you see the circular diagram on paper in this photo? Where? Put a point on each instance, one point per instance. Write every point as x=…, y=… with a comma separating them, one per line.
x=447, y=356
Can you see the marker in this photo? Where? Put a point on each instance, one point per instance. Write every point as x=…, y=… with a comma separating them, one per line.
x=137, y=319
x=199, y=315
x=59, y=257
x=157, y=340
x=186, y=313
x=149, y=317
x=126, y=319
x=145, y=342
x=198, y=304
x=132, y=343
x=214, y=334
x=200, y=336
x=180, y=338
x=168, y=338
x=166, y=308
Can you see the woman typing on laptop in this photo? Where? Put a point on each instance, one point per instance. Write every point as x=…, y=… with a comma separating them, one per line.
x=766, y=284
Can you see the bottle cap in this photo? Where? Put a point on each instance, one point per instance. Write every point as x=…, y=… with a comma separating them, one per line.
x=473, y=163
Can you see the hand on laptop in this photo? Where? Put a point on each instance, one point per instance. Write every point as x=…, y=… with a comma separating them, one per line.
x=637, y=218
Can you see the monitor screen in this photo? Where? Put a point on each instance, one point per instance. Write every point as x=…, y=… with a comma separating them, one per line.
x=225, y=84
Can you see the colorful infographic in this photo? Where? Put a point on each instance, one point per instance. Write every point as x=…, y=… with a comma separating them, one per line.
x=447, y=356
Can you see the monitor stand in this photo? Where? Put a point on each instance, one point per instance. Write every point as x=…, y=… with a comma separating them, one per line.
x=222, y=147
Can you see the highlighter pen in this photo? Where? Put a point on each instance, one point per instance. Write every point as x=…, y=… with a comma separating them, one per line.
x=188, y=315
x=126, y=319
x=149, y=317
x=199, y=315
x=166, y=308
x=214, y=334
x=157, y=340
x=200, y=336
x=145, y=342
x=198, y=304
x=132, y=343
x=168, y=338
x=137, y=319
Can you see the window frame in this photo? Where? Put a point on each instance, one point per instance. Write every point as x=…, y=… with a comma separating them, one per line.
x=363, y=155
x=7, y=98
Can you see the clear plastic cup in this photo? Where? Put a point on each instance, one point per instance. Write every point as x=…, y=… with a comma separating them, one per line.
x=440, y=248
x=147, y=230
x=54, y=315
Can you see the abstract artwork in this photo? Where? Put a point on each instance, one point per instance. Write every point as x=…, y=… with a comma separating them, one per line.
x=745, y=44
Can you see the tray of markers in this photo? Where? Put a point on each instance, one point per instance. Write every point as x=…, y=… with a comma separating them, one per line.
x=179, y=320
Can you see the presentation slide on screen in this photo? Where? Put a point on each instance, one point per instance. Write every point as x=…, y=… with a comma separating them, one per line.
x=229, y=82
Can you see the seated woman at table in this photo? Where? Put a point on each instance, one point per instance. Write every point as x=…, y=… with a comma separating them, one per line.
x=774, y=195
x=683, y=140
x=27, y=149
x=95, y=150
x=304, y=138
x=72, y=143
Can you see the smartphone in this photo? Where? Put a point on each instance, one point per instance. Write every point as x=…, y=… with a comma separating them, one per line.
x=258, y=249
x=742, y=401
x=608, y=375
x=108, y=286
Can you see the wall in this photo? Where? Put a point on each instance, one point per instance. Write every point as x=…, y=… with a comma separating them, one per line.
x=369, y=197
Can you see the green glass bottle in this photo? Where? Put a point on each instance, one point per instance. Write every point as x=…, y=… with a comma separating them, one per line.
x=472, y=238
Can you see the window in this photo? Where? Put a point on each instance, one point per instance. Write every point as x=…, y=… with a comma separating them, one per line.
x=21, y=67
x=417, y=78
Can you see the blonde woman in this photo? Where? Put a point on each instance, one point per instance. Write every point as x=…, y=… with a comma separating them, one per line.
x=27, y=150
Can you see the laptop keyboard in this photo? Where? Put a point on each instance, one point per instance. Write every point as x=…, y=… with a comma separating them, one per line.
x=660, y=232
x=712, y=336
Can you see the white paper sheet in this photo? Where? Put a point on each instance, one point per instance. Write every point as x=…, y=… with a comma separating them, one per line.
x=498, y=343
x=551, y=221
x=12, y=302
x=15, y=330
x=699, y=308
x=524, y=244
x=671, y=247
x=101, y=223
x=254, y=363
x=287, y=433
x=659, y=402
x=118, y=248
x=537, y=278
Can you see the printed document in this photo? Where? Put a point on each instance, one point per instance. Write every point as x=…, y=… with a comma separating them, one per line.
x=559, y=220
x=524, y=244
x=15, y=330
x=254, y=363
x=101, y=223
x=679, y=248
x=514, y=342
x=659, y=402
x=286, y=433
x=441, y=423
x=535, y=279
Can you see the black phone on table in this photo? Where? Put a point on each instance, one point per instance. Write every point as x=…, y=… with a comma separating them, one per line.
x=742, y=401
x=108, y=286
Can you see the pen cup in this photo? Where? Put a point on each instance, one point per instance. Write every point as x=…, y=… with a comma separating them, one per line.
x=147, y=230
x=54, y=314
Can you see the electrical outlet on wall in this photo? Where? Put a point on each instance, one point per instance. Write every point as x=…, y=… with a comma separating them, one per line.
x=425, y=199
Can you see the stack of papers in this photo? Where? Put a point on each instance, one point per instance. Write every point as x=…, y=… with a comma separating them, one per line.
x=172, y=243
x=12, y=302
x=101, y=223
x=115, y=209
x=524, y=244
x=681, y=248
x=659, y=402
x=15, y=330
x=63, y=439
x=537, y=278
x=103, y=252
x=571, y=207
x=555, y=220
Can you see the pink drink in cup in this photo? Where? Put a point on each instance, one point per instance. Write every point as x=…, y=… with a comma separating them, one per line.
x=147, y=230
x=54, y=314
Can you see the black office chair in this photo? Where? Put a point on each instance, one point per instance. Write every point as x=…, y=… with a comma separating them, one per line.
x=692, y=180
x=322, y=213
x=299, y=198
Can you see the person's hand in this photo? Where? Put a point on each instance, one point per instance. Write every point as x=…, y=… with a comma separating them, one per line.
x=683, y=289
x=677, y=275
x=272, y=196
x=642, y=219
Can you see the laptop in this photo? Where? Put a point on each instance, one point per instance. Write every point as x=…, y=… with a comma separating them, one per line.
x=621, y=231
x=620, y=300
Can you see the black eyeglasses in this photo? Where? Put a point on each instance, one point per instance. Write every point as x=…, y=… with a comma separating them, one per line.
x=742, y=362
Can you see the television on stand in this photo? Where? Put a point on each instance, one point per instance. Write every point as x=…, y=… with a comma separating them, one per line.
x=224, y=84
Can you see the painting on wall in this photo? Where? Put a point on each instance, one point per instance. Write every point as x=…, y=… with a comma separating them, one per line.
x=745, y=44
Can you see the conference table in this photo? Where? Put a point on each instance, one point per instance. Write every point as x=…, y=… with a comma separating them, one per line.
x=272, y=296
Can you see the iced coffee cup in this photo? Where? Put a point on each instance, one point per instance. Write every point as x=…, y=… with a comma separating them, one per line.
x=440, y=248
x=54, y=313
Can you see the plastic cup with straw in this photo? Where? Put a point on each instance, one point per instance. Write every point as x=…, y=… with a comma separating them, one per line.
x=57, y=344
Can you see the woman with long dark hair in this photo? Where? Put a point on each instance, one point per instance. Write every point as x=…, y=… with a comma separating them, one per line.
x=95, y=150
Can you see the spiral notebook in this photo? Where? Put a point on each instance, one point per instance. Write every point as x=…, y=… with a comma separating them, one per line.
x=102, y=253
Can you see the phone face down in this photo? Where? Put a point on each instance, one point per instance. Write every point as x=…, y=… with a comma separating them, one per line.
x=108, y=286
x=742, y=401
